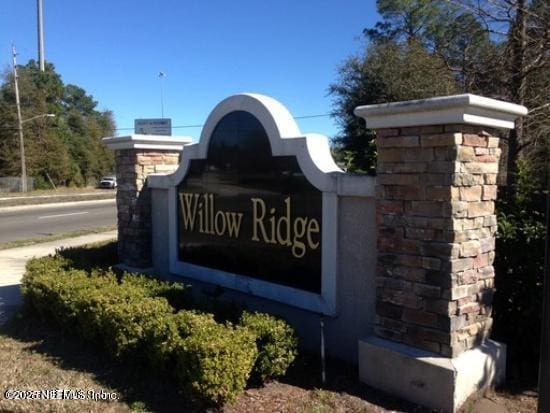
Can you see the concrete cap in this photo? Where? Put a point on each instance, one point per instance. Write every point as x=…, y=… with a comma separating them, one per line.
x=466, y=109
x=154, y=142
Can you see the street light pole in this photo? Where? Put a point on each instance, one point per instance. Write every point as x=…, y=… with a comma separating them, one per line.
x=162, y=75
x=43, y=115
x=19, y=124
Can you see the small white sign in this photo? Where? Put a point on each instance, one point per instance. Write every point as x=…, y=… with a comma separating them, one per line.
x=153, y=127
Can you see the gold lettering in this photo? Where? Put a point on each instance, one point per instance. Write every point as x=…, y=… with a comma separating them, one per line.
x=299, y=233
x=188, y=209
x=284, y=220
x=219, y=231
x=234, y=223
x=313, y=226
x=257, y=221
x=272, y=222
x=201, y=218
x=298, y=247
x=211, y=202
x=205, y=212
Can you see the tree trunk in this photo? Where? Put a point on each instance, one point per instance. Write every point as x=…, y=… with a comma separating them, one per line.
x=518, y=85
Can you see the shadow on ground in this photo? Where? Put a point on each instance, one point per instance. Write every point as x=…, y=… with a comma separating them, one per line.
x=342, y=377
x=10, y=299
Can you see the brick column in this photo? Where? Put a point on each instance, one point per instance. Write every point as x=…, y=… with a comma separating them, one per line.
x=138, y=156
x=436, y=225
x=436, y=187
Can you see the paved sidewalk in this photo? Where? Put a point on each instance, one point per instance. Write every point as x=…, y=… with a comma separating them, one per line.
x=13, y=261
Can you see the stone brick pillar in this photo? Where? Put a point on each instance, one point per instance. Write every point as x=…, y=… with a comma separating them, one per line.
x=436, y=187
x=138, y=156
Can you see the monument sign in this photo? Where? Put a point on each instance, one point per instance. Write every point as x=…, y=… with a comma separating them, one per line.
x=403, y=276
x=253, y=204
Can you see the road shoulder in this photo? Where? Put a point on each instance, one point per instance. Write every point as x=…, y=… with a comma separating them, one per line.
x=56, y=204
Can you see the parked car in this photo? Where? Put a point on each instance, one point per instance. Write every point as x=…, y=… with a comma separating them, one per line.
x=108, y=182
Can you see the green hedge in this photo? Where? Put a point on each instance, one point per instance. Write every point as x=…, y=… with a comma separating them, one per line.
x=136, y=317
x=215, y=361
x=276, y=344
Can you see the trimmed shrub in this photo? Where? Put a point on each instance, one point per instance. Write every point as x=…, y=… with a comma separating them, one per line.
x=190, y=321
x=129, y=324
x=101, y=255
x=160, y=338
x=135, y=316
x=177, y=294
x=276, y=341
x=214, y=362
x=57, y=293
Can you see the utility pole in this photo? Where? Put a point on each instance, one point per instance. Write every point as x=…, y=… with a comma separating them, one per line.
x=19, y=124
x=40, y=35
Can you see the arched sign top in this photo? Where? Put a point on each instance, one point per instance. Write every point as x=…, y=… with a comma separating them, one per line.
x=274, y=117
x=312, y=151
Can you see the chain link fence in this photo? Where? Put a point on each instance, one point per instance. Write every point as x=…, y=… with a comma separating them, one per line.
x=13, y=184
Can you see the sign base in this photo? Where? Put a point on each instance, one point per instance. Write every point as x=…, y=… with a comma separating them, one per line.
x=427, y=378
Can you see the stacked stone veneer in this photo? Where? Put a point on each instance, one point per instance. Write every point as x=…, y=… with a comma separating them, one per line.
x=436, y=187
x=134, y=200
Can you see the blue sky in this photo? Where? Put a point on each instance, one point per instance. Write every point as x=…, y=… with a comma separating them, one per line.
x=209, y=50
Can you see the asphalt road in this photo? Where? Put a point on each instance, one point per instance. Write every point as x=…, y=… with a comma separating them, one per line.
x=39, y=220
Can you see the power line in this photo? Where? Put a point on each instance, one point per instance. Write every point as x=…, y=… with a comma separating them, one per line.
x=324, y=115
x=321, y=115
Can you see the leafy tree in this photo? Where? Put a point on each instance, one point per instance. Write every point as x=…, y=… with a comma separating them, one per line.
x=519, y=267
x=522, y=28
x=75, y=99
x=395, y=66
x=405, y=20
x=67, y=148
x=442, y=28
